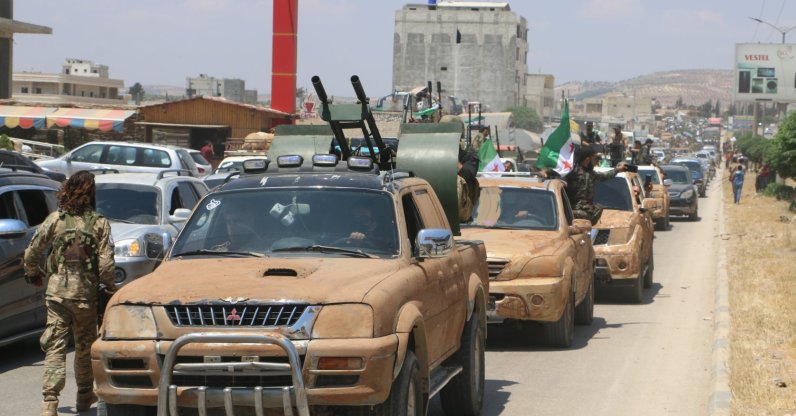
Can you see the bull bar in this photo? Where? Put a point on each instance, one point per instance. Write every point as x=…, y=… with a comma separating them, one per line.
x=259, y=397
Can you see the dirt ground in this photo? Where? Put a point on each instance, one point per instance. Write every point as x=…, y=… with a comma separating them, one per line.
x=761, y=259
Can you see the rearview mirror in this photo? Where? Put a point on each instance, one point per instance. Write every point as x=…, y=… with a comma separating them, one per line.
x=667, y=182
x=434, y=243
x=12, y=228
x=180, y=215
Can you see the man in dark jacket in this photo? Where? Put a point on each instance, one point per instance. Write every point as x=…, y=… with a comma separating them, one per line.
x=580, y=183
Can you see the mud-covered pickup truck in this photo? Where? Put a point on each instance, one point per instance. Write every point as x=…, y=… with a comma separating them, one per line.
x=541, y=261
x=316, y=286
x=623, y=237
x=659, y=192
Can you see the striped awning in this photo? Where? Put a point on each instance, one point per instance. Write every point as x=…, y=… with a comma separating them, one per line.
x=22, y=116
x=90, y=119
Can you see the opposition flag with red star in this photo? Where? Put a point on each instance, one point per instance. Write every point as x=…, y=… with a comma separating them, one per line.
x=490, y=160
x=558, y=152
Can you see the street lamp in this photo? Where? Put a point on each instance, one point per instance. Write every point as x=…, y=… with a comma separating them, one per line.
x=783, y=30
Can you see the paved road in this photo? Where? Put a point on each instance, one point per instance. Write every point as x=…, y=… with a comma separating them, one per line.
x=648, y=359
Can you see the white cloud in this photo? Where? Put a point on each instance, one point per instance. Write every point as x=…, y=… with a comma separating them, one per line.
x=602, y=9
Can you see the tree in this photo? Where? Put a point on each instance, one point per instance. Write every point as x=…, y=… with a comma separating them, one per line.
x=679, y=103
x=525, y=118
x=137, y=91
x=717, y=109
x=781, y=153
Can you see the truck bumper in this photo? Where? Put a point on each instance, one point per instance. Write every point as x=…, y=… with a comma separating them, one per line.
x=682, y=207
x=531, y=299
x=127, y=372
x=616, y=268
x=131, y=268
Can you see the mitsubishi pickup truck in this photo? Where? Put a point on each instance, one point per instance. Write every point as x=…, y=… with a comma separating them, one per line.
x=541, y=261
x=309, y=285
x=623, y=237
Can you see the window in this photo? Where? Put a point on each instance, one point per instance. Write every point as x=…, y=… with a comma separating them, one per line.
x=186, y=162
x=37, y=205
x=38, y=90
x=90, y=153
x=413, y=221
x=7, y=210
x=91, y=94
x=121, y=155
x=155, y=158
x=567, y=208
x=184, y=196
x=201, y=189
x=24, y=90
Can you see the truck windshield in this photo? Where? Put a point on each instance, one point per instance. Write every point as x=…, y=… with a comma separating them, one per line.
x=613, y=194
x=515, y=208
x=290, y=221
x=136, y=204
x=643, y=173
x=678, y=176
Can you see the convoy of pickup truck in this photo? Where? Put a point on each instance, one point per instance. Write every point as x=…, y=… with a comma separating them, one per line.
x=321, y=282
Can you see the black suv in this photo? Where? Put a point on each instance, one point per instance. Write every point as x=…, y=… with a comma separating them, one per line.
x=15, y=161
x=26, y=199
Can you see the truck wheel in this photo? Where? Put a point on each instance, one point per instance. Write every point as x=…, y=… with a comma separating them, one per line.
x=584, y=313
x=107, y=409
x=694, y=216
x=406, y=394
x=648, y=275
x=636, y=294
x=562, y=332
x=464, y=394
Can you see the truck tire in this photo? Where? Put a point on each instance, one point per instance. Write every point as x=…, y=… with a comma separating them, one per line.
x=107, y=409
x=636, y=292
x=562, y=332
x=464, y=394
x=406, y=394
x=694, y=216
x=662, y=224
x=648, y=274
x=584, y=313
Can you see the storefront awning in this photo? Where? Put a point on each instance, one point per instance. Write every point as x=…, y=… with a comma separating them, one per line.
x=22, y=116
x=81, y=118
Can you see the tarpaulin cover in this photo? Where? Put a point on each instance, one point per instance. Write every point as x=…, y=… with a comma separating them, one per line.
x=22, y=116
x=90, y=119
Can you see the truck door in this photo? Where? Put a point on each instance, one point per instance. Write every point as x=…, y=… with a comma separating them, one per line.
x=582, y=247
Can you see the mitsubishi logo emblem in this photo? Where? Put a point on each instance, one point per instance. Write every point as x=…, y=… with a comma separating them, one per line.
x=233, y=315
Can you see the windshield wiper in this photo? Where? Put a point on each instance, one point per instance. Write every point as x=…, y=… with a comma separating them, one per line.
x=206, y=252
x=327, y=249
x=120, y=220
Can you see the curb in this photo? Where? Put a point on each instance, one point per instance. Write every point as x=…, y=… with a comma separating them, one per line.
x=720, y=396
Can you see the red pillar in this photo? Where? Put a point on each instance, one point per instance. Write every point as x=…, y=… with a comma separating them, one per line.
x=285, y=47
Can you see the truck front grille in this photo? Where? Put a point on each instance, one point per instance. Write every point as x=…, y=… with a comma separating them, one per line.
x=235, y=315
x=496, y=266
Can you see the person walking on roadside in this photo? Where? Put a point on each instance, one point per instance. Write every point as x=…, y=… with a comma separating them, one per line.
x=736, y=178
x=79, y=251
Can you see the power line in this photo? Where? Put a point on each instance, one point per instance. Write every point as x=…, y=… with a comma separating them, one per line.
x=762, y=7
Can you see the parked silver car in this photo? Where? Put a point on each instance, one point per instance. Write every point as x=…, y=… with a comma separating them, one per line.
x=146, y=211
x=205, y=167
x=122, y=156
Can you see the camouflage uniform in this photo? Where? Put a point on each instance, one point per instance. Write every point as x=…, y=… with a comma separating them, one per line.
x=580, y=190
x=645, y=155
x=71, y=299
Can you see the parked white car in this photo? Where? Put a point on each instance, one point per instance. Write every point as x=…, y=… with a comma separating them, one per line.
x=123, y=157
x=203, y=165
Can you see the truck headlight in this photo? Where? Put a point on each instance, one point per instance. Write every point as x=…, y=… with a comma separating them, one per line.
x=542, y=266
x=620, y=235
x=687, y=194
x=129, y=322
x=127, y=248
x=344, y=321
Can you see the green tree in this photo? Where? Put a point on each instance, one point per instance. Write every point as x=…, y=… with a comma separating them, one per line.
x=781, y=153
x=679, y=103
x=137, y=92
x=525, y=118
x=717, y=109
x=6, y=143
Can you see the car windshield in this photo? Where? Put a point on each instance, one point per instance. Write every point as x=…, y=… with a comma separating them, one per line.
x=230, y=166
x=613, y=194
x=692, y=165
x=515, y=208
x=678, y=176
x=198, y=158
x=280, y=221
x=138, y=204
x=643, y=173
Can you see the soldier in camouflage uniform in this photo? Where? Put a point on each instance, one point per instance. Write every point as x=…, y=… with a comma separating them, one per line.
x=645, y=156
x=580, y=183
x=72, y=289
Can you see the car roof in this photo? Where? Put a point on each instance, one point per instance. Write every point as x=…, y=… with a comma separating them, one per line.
x=10, y=177
x=140, y=144
x=307, y=179
x=519, y=182
x=142, y=178
x=674, y=167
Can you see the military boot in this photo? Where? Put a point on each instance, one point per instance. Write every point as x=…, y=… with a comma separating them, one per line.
x=49, y=407
x=85, y=400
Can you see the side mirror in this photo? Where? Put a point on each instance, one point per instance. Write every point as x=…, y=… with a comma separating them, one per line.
x=580, y=226
x=434, y=243
x=180, y=215
x=12, y=228
x=697, y=181
x=157, y=245
x=667, y=182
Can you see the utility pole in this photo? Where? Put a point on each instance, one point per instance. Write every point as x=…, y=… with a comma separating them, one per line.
x=783, y=30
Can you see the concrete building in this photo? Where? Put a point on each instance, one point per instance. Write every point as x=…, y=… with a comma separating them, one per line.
x=72, y=87
x=478, y=50
x=539, y=94
x=229, y=88
x=9, y=26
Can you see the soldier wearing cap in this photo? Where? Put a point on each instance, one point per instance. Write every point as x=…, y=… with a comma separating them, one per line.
x=580, y=183
x=590, y=137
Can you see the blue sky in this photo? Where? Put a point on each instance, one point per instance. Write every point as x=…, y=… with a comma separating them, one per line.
x=163, y=41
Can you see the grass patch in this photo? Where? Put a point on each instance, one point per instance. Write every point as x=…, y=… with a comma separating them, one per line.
x=761, y=266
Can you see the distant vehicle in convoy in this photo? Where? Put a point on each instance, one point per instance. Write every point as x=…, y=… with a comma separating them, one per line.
x=146, y=212
x=683, y=194
x=121, y=156
x=659, y=193
x=623, y=238
x=698, y=173
x=541, y=262
x=17, y=161
x=27, y=199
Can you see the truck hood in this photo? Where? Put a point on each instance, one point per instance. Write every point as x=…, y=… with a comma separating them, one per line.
x=303, y=278
x=612, y=218
x=509, y=244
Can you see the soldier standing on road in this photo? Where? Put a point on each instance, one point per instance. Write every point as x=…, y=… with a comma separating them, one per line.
x=617, y=147
x=580, y=183
x=80, y=258
x=590, y=136
x=645, y=156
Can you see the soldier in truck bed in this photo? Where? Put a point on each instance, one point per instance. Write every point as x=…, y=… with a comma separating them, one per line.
x=580, y=183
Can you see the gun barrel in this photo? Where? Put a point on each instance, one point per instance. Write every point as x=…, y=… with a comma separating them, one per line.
x=358, y=90
x=316, y=82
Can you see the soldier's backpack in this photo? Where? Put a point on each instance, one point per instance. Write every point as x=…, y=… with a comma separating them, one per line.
x=74, y=246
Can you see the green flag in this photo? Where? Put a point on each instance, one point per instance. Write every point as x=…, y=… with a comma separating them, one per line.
x=558, y=152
